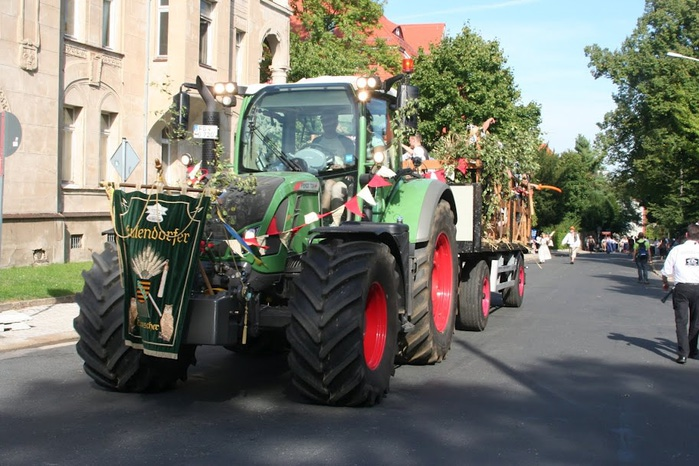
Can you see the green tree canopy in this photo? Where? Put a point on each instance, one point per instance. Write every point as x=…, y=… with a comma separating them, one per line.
x=464, y=80
x=330, y=38
x=652, y=136
x=463, y=83
x=588, y=200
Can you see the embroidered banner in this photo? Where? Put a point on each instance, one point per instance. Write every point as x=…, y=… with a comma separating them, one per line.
x=158, y=241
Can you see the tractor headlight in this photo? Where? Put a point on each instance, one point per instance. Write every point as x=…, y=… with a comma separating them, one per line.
x=379, y=157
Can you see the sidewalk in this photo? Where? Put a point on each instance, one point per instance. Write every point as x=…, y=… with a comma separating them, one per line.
x=49, y=322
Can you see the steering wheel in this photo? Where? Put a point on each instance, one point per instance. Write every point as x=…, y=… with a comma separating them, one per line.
x=314, y=155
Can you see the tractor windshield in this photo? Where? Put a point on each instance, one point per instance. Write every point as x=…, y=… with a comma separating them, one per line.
x=309, y=128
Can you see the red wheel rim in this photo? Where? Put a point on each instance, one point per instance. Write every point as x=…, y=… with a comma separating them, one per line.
x=375, y=326
x=442, y=283
x=520, y=284
x=485, y=297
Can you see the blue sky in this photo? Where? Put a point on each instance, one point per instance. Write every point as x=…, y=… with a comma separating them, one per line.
x=543, y=42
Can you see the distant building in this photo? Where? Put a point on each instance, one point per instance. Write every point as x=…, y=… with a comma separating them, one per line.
x=85, y=78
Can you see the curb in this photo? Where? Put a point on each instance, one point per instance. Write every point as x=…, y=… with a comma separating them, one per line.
x=40, y=342
x=14, y=305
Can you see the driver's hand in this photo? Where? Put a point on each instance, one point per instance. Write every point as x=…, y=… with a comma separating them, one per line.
x=337, y=163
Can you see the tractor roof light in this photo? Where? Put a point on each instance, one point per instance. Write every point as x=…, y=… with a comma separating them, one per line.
x=368, y=82
x=366, y=85
x=225, y=93
x=408, y=65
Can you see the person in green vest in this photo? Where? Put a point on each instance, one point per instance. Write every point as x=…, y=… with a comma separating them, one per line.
x=642, y=257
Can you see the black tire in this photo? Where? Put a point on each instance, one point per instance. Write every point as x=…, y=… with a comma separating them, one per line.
x=434, y=295
x=100, y=326
x=474, y=299
x=513, y=297
x=344, y=323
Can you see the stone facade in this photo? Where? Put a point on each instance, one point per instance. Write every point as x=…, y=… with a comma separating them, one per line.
x=86, y=78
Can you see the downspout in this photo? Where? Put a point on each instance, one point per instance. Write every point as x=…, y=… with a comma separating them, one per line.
x=146, y=93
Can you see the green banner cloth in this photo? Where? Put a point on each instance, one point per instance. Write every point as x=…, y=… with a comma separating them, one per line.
x=158, y=239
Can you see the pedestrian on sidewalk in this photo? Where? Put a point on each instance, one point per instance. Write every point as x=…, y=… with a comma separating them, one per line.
x=572, y=240
x=682, y=263
x=642, y=256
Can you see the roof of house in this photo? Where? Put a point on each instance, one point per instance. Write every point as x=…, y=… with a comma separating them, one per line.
x=410, y=37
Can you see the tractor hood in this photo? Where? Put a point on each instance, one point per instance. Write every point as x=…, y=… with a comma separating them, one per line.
x=243, y=208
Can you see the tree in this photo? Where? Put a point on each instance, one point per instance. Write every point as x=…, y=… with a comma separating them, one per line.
x=329, y=37
x=588, y=198
x=463, y=83
x=464, y=80
x=652, y=136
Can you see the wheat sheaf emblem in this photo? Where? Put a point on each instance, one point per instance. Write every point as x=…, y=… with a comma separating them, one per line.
x=146, y=265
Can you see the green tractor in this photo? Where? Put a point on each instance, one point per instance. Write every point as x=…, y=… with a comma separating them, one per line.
x=338, y=255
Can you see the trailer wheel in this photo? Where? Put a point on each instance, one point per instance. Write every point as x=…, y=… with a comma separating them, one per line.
x=513, y=297
x=344, y=323
x=100, y=325
x=434, y=294
x=474, y=299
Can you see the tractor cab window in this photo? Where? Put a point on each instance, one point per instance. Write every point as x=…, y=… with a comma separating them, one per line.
x=379, y=131
x=300, y=129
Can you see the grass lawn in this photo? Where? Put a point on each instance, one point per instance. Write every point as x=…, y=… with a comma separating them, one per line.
x=44, y=281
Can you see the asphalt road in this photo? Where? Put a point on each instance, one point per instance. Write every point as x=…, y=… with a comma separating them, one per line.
x=582, y=374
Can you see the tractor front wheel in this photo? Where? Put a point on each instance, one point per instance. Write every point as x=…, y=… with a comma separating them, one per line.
x=344, y=323
x=100, y=326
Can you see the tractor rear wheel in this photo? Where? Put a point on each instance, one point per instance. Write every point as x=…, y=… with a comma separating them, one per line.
x=513, y=296
x=474, y=299
x=344, y=323
x=100, y=326
x=434, y=294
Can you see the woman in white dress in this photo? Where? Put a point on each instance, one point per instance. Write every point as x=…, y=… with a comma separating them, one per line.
x=544, y=252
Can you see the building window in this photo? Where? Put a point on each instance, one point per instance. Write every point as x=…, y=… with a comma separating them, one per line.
x=163, y=22
x=70, y=117
x=69, y=18
x=107, y=23
x=206, y=32
x=106, y=122
x=76, y=241
x=240, y=56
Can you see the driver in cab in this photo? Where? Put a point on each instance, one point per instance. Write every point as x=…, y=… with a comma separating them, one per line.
x=338, y=149
x=335, y=146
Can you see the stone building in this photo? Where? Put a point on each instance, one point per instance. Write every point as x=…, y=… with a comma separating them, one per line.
x=91, y=83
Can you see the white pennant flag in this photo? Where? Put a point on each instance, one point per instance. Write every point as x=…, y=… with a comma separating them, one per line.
x=284, y=237
x=235, y=246
x=386, y=172
x=262, y=241
x=310, y=218
x=365, y=195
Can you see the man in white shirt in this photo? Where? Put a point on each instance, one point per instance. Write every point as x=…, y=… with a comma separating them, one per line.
x=572, y=239
x=682, y=264
x=415, y=150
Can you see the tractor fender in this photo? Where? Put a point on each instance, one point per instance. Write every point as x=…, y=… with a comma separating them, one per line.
x=394, y=235
x=414, y=204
